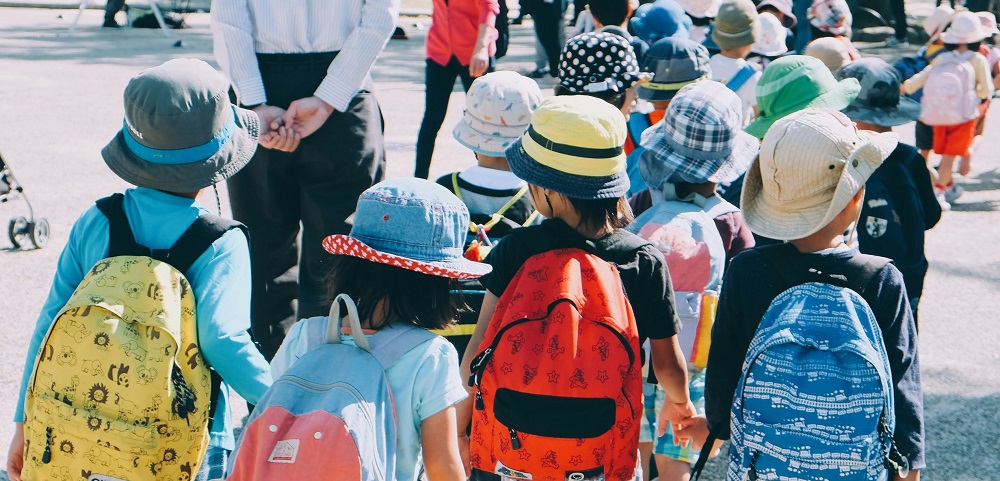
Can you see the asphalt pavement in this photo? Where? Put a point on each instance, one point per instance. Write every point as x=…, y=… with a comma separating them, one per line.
x=60, y=102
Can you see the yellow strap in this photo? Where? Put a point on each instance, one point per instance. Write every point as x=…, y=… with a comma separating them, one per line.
x=454, y=186
x=456, y=330
x=531, y=218
x=498, y=215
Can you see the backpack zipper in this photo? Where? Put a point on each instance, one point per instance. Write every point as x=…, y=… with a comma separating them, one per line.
x=515, y=442
x=47, y=454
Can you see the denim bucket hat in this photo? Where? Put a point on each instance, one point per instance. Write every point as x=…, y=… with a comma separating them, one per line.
x=879, y=102
x=674, y=63
x=413, y=224
x=181, y=133
x=574, y=146
x=703, y=142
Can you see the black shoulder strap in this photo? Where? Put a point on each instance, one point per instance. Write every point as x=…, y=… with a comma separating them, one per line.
x=794, y=270
x=205, y=230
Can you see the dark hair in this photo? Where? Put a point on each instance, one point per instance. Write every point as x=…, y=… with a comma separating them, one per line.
x=974, y=46
x=609, y=12
x=817, y=33
x=769, y=8
x=702, y=21
x=421, y=299
x=610, y=96
x=598, y=212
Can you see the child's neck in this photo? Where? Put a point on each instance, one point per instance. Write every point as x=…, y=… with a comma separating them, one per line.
x=706, y=189
x=491, y=162
x=735, y=53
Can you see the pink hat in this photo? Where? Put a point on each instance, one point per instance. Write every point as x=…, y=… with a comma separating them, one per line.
x=783, y=6
x=965, y=28
x=935, y=22
x=989, y=22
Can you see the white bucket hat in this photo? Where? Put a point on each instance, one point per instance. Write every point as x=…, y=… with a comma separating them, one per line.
x=936, y=21
x=811, y=165
x=498, y=110
x=965, y=28
x=771, y=36
x=989, y=22
x=701, y=8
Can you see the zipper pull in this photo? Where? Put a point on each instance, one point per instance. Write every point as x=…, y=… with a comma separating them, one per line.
x=47, y=455
x=479, y=361
x=479, y=401
x=514, y=441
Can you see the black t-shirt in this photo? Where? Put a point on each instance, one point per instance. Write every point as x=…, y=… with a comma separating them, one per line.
x=751, y=283
x=640, y=265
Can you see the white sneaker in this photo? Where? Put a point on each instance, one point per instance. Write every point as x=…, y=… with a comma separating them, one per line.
x=939, y=195
x=951, y=194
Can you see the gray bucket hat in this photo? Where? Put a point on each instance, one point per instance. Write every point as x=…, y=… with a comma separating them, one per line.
x=181, y=132
x=879, y=102
x=674, y=63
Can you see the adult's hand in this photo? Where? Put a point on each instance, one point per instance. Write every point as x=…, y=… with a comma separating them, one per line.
x=479, y=63
x=15, y=455
x=307, y=115
x=273, y=135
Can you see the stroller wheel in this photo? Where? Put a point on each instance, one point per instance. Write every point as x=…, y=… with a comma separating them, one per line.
x=18, y=227
x=39, y=231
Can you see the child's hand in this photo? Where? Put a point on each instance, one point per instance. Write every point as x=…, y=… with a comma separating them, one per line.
x=15, y=455
x=283, y=139
x=676, y=414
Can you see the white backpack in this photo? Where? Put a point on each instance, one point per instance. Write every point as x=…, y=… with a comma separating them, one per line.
x=950, y=92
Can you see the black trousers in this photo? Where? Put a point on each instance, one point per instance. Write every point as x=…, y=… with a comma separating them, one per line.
x=112, y=8
x=314, y=189
x=547, y=16
x=899, y=11
x=439, y=80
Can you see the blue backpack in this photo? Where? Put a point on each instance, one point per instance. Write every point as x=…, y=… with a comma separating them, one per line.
x=637, y=124
x=907, y=67
x=815, y=399
x=321, y=419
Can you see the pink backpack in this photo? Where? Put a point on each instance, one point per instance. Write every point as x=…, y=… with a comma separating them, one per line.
x=950, y=92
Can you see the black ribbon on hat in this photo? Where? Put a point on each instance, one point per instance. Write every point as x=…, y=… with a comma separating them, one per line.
x=573, y=150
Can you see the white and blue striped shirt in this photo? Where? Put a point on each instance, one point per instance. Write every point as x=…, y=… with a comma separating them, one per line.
x=358, y=29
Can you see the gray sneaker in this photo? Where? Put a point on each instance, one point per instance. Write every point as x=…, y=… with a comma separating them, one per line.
x=894, y=42
x=951, y=194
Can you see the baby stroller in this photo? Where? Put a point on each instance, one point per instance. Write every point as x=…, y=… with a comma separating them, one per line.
x=21, y=229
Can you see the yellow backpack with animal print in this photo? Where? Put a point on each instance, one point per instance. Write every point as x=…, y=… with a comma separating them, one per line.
x=119, y=389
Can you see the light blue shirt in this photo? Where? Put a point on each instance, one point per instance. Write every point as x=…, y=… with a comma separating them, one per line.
x=220, y=279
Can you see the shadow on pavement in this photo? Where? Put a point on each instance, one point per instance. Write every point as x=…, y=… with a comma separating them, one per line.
x=989, y=180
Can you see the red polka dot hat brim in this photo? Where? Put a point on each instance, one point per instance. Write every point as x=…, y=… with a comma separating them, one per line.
x=460, y=268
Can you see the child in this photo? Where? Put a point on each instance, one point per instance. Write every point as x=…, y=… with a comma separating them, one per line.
x=935, y=23
x=783, y=11
x=899, y=197
x=601, y=65
x=660, y=19
x=573, y=161
x=398, y=263
x=673, y=64
x=770, y=43
x=988, y=50
x=830, y=18
x=702, y=13
x=684, y=159
x=831, y=51
x=806, y=188
x=612, y=16
x=954, y=120
x=499, y=107
x=171, y=111
x=735, y=32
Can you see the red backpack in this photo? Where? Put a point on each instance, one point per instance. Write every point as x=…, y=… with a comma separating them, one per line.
x=559, y=390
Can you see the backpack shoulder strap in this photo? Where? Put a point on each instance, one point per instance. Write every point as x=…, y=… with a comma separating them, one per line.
x=205, y=230
x=389, y=344
x=637, y=124
x=454, y=186
x=740, y=77
x=793, y=270
x=716, y=206
x=121, y=240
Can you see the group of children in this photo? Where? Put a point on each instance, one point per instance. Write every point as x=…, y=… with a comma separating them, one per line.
x=794, y=150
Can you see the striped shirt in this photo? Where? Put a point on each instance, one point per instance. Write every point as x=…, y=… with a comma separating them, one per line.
x=358, y=29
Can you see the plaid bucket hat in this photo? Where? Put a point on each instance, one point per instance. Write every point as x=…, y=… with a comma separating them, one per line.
x=674, y=63
x=597, y=62
x=811, y=164
x=181, y=133
x=498, y=109
x=702, y=142
x=574, y=146
x=795, y=83
x=412, y=224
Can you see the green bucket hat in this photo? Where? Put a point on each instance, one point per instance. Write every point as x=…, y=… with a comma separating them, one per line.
x=795, y=83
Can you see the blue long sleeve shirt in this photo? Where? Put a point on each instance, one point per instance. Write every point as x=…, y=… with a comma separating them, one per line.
x=220, y=279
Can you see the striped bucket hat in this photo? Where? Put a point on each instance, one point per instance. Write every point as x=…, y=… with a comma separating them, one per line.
x=795, y=83
x=574, y=146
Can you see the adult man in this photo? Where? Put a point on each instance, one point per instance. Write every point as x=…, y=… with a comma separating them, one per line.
x=305, y=68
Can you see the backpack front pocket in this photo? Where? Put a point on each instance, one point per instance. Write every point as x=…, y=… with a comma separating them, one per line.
x=554, y=417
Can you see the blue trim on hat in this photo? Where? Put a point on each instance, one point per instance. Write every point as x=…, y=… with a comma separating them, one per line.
x=570, y=185
x=188, y=155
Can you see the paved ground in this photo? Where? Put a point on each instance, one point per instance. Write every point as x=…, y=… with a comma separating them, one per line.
x=60, y=101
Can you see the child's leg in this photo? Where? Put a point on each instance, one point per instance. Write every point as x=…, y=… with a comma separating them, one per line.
x=945, y=178
x=645, y=453
x=671, y=469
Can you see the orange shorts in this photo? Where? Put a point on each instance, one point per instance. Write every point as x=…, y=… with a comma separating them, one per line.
x=954, y=139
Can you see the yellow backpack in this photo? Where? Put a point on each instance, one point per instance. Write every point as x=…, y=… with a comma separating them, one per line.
x=119, y=389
